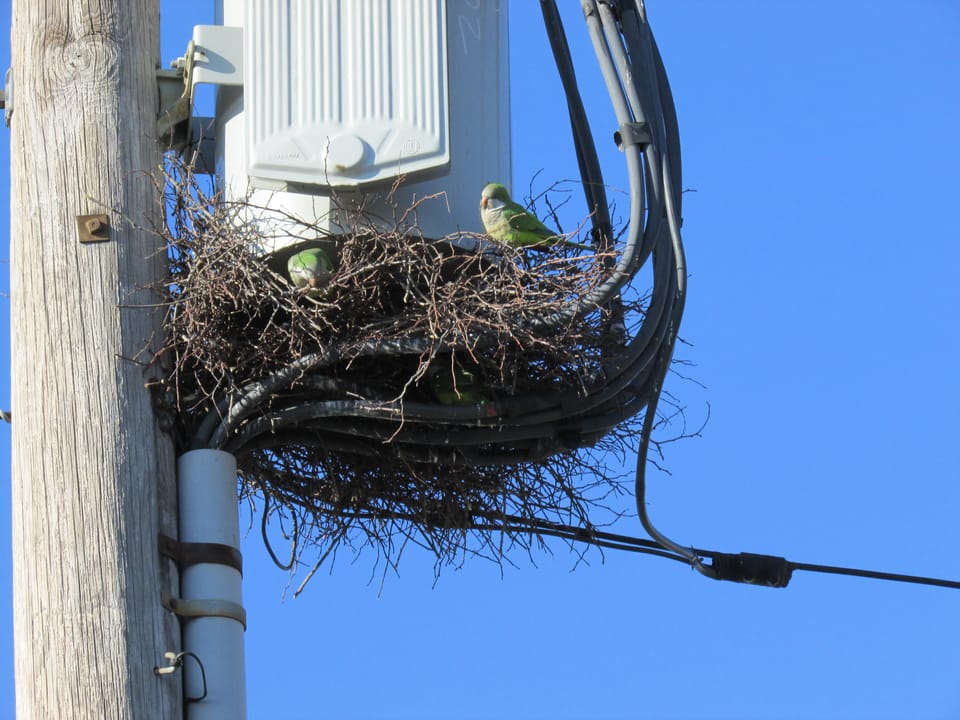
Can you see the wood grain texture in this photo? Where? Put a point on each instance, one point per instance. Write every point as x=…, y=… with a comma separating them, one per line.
x=93, y=477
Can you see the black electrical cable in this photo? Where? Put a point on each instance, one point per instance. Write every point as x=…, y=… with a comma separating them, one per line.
x=586, y=150
x=635, y=544
x=265, y=516
x=591, y=174
x=588, y=162
x=877, y=575
x=782, y=567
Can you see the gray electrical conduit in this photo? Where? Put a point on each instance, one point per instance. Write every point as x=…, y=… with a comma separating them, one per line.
x=663, y=182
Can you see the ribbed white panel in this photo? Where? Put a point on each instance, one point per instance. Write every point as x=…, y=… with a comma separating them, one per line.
x=345, y=92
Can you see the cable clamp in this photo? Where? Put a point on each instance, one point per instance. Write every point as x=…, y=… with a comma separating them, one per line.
x=204, y=607
x=752, y=569
x=636, y=133
x=185, y=554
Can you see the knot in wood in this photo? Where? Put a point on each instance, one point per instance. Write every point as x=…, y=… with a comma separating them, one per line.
x=75, y=67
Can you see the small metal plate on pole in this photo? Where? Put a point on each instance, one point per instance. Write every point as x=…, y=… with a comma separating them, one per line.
x=93, y=228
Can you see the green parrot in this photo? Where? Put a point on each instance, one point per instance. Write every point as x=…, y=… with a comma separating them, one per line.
x=310, y=268
x=507, y=222
x=459, y=387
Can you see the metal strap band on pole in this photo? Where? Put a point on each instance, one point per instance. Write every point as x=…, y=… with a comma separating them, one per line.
x=204, y=607
x=184, y=553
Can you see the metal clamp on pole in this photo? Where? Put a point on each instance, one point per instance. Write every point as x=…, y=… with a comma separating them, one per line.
x=204, y=607
x=185, y=554
x=215, y=56
x=176, y=100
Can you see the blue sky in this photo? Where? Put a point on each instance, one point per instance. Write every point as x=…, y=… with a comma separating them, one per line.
x=821, y=141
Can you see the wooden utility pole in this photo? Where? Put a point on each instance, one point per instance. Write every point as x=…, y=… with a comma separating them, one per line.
x=93, y=476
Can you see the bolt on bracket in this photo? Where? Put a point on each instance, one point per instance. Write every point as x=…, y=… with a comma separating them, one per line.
x=93, y=228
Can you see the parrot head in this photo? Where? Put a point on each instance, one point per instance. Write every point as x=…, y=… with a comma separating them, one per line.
x=494, y=195
x=310, y=268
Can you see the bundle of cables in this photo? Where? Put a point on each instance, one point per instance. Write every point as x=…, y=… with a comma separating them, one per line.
x=442, y=389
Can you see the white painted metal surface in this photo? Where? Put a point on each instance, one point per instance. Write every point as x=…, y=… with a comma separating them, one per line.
x=345, y=92
x=369, y=134
x=219, y=55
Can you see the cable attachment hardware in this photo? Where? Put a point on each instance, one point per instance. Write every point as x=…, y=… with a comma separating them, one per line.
x=176, y=99
x=752, y=569
x=634, y=133
x=175, y=662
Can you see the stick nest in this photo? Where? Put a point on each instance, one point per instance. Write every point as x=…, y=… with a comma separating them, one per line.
x=329, y=400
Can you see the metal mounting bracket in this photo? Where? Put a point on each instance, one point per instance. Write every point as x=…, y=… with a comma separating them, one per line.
x=176, y=100
x=214, y=56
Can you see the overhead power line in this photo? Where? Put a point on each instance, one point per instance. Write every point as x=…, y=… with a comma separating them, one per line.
x=748, y=568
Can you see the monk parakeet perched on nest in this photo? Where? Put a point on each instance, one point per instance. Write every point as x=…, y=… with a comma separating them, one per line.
x=310, y=268
x=505, y=221
x=455, y=386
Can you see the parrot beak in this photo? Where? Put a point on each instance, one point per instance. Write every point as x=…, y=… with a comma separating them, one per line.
x=483, y=203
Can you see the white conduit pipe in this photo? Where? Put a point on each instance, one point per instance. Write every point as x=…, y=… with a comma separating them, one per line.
x=207, y=490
